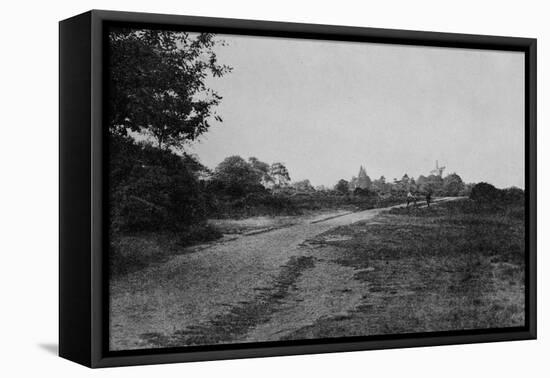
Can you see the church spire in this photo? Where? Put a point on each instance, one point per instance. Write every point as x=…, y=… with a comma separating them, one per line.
x=363, y=180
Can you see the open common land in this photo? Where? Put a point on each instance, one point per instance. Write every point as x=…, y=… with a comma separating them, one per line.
x=457, y=264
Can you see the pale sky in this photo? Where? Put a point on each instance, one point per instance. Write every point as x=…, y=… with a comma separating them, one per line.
x=324, y=108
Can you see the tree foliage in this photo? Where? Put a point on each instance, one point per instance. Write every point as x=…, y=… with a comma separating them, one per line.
x=342, y=186
x=263, y=169
x=453, y=185
x=432, y=184
x=380, y=185
x=487, y=193
x=361, y=192
x=484, y=192
x=152, y=189
x=280, y=174
x=235, y=176
x=303, y=186
x=157, y=84
x=157, y=95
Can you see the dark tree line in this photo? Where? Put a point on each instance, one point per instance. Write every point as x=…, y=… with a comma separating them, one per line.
x=450, y=185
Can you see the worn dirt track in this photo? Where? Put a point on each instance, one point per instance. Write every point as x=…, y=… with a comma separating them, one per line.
x=195, y=289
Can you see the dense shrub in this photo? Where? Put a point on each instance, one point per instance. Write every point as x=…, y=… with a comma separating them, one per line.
x=513, y=195
x=487, y=193
x=484, y=192
x=152, y=189
x=364, y=192
x=259, y=202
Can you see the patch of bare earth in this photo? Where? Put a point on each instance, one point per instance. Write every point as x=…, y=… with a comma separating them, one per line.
x=252, y=225
x=231, y=325
x=198, y=289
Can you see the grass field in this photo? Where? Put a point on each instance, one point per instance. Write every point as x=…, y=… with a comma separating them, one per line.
x=456, y=266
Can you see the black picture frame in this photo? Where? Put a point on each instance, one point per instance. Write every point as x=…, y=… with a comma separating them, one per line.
x=82, y=235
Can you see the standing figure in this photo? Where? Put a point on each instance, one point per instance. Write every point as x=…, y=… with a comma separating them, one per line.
x=428, y=197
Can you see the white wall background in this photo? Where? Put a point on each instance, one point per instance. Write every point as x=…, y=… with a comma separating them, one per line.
x=29, y=189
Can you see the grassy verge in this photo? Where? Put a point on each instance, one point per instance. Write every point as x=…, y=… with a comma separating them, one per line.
x=455, y=266
x=275, y=205
x=131, y=252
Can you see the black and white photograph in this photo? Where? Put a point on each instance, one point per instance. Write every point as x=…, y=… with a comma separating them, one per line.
x=275, y=189
x=266, y=189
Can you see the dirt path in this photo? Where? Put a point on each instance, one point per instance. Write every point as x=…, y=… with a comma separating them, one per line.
x=193, y=295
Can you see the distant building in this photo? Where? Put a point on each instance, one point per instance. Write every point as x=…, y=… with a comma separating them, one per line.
x=438, y=171
x=362, y=180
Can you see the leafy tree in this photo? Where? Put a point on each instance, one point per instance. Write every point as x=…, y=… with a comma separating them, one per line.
x=263, y=169
x=380, y=185
x=235, y=176
x=280, y=174
x=303, y=186
x=433, y=184
x=157, y=89
x=401, y=187
x=421, y=183
x=157, y=84
x=453, y=185
x=342, y=186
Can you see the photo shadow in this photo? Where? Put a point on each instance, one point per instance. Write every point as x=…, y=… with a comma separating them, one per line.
x=52, y=348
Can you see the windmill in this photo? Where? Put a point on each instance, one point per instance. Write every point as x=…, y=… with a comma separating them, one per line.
x=438, y=171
